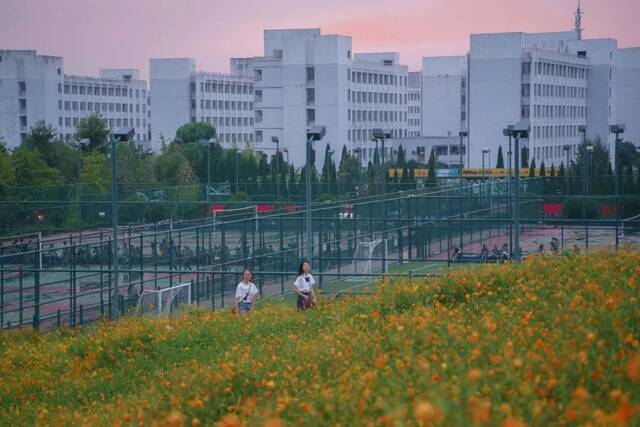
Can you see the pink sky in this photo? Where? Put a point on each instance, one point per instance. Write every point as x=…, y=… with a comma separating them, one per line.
x=91, y=34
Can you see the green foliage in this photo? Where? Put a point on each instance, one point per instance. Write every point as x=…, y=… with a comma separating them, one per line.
x=32, y=171
x=94, y=128
x=532, y=168
x=194, y=132
x=431, y=179
x=96, y=172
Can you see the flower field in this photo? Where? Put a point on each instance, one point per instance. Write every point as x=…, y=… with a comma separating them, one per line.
x=555, y=341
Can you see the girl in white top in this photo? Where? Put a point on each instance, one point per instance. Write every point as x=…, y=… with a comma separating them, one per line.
x=246, y=293
x=303, y=286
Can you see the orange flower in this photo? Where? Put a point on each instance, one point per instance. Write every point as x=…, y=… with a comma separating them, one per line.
x=273, y=422
x=479, y=410
x=633, y=368
x=426, y=413
x=175, y=419
x=513, y=422
x=230, y=420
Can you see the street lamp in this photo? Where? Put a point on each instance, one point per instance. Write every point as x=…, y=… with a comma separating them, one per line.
x=520, y=130
x=379, y=134
x=617, y=130
x=567, y=149
x=508, y=131
x=276, y=141
x=209, y=143
x=314, y=134
x=117, y=135
x=462, y=134
x=84, y=142
x=484, y=151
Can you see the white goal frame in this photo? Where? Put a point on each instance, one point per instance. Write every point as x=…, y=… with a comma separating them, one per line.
x=166, y=309
x=370, y=246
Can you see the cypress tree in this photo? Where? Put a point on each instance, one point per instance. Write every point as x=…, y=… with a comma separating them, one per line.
x=500, y=161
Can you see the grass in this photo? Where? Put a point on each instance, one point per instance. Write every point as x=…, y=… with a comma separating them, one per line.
x=555, y=341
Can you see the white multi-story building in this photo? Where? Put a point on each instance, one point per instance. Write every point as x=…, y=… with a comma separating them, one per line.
x=414, y=104
x=306, y=79
x=556, y=80
x=34, y=87
x=180, y=95
x=444, y=95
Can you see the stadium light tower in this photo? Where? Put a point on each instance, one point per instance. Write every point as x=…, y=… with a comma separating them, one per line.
x=617, y=130
x=508, y=131
x=209, y=143
x=314, y=134
x=520, y=130
x=276, y=141
x=379, y=134
x=117, y=135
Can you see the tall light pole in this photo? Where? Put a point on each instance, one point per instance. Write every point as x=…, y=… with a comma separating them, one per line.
x=117, y=135
x=462, y=134
x=484, y=151
x=84, y=142
x=276, y=141
x=209, y=143
x=617, y=130
x=567, y=149
x=379, y=134
x=314, y=134
x=520, y=130
x=508, y=131
x=236, y=168
x=583, y=131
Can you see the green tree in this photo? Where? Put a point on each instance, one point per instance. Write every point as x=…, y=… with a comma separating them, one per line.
x=628, y=154
x=532, y=168
x=32, y=171
x=431, y=179
x=543, y=170
x=94, y=128
x=401, y=161
x=194, y=132
x=500, y=161
x=96, y=172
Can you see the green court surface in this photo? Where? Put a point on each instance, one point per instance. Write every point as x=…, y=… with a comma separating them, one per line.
x=362, y=285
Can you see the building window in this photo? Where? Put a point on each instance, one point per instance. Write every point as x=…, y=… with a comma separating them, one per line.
x=258, y=95
x=311, y=75
x=311, y=96
x=311, y=117
x=258, y=136
x=258, y=115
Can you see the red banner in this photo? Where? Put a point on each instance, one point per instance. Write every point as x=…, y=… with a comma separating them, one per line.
x=265, y=208
x=216, y=207
x=552, y=209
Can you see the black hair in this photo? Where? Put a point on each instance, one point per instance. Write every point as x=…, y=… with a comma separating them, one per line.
x=249, y=270
x=300, y=270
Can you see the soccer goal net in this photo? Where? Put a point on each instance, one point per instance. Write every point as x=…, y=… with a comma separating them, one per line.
x=368, y=259
x=164, y=301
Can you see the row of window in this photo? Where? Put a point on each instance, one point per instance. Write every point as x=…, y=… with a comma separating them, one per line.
x=228, y=121
x=414, y=110
x=414, y=97
x=414, y=122
x=559, y=70
x=558, y=91
x=75, y=121
x=359, y=97
x=104, y=107
x=138, y=137
x=223, y=87
x=101, y=90
x=561, y=131
x=376, y=78
x=554, y=152
x=376, y=116
x=555, y=111
x=367, y=134
x=223, y=105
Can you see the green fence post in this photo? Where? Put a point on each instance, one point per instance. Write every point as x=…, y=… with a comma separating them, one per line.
x=20, y=297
